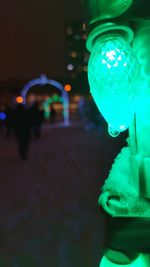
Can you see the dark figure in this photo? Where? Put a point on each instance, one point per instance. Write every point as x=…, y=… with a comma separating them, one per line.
x=9, y=121
x=21, y=125
x=52, y=114
x=37, y=117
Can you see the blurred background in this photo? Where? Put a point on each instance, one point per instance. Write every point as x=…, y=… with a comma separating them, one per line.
x=51, y=175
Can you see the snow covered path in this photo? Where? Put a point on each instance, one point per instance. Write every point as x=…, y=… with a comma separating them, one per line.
x=49, y=215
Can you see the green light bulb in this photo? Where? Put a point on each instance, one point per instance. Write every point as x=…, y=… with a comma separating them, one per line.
x=112, y=73
x=141, y=261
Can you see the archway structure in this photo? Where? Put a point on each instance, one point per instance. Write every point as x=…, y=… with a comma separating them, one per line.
x=43, y=80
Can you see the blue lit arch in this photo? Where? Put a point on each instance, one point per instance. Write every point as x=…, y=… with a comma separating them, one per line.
x=43, y=80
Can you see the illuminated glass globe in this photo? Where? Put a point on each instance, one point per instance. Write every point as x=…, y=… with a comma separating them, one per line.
x=112, y=73
x=141, y=261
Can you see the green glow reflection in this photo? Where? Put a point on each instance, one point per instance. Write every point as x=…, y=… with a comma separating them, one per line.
x=112, y=74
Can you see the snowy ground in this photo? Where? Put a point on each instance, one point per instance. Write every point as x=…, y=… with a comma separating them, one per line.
x=49, y=215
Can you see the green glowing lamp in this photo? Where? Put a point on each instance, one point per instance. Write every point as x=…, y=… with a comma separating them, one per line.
x=113, y=78
x=141, y=261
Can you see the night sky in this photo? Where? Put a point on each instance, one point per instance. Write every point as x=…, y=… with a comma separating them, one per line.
x=32, y=37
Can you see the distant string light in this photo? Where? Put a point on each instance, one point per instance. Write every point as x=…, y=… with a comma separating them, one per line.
x=70, y=67
x=50, y=100
x=74, y=54
x=55, y=98
x=2, y=116
x=67, y=87
x=19, y=99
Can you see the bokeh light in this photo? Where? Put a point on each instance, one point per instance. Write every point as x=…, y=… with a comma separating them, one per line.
x=67, y=87
x=19, y=99
x=70, y=67
x=2, y=116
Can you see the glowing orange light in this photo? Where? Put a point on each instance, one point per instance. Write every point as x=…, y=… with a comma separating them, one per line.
x=19, y=99
x=67, y=87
